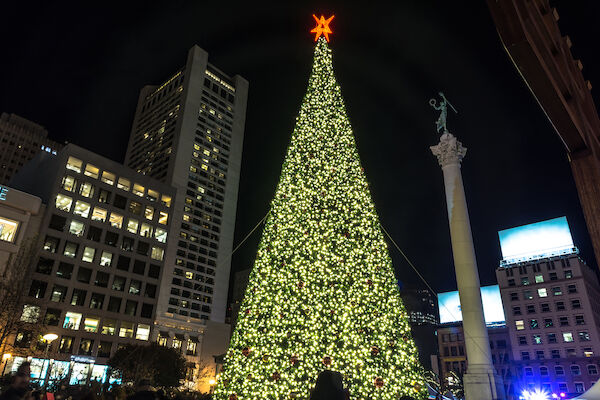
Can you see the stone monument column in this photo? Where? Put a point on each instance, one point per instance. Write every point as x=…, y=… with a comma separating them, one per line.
x=481, y=382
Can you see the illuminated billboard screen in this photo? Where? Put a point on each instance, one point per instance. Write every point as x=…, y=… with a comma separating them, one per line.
x=449, y=306
x=539, y=240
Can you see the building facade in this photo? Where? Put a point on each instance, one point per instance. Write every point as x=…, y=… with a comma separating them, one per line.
x=20, y=218
x=552, y=310
x=101, y=258
x=188, y=132
x=452, y=356
x=20, y=141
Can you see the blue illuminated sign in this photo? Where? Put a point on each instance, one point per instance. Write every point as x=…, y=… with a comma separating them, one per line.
x=450, y=311
x=3, y=193
x=539, y=240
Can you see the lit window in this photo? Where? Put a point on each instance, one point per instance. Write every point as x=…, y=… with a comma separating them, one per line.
x=63, y=202
x=8, y=230
x=132, y=225
x=542, y=292
x=82, y=208
x=69, y=183
x=567, y=337
x=520, y=325
x=163, y=218
x=143, y=332
x=157, y=253
x=191, y=348
x=584, y=336
x=126, y=329
x=124, y=184
x=189, y=275
x=91, y=171
x=86, y=189
x=76, y=228
x=70, y=249
x=557, y=291
x=186, y=218
x=152, y=195
x=109, y=327
x=537, y=339
x=539, y=279
x=88, y=254
x=116, y=220
x=30, y=313
x=108, y=177
x=146, y=230
x=106, y=259
x=149, y=212
x=138, y=189
x=99, y=214
x=588, y=352
x=90, y=324
x=160, y=235
x=166, y=200
x=74, y=164
x=72, y=320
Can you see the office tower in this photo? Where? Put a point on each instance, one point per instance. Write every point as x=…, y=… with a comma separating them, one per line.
x=552, y=302
x=188, y=132
x=101, y=256
x=20, y=141
x=423, y=319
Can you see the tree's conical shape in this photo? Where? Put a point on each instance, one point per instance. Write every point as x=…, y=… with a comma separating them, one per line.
x=322, y=294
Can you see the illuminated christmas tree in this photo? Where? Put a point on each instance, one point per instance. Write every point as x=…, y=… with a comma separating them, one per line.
x=322, y=294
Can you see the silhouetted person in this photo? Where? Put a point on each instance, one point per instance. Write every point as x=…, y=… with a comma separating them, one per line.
x=329, y=386
x=145, y=391
x=19, y=388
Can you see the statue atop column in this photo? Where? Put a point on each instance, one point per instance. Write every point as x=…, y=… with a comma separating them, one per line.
x=442, y=107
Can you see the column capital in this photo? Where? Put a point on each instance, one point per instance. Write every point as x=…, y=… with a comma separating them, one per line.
x=449, y=150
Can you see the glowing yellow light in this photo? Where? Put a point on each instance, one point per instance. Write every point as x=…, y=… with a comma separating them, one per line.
x=48, y=337
x=6, y=356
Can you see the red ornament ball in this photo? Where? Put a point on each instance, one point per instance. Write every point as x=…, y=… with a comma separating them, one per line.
x=378, y=382
x=327, y=360
x=246, y=351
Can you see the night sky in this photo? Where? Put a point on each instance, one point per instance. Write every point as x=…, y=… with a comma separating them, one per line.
x=77, y=69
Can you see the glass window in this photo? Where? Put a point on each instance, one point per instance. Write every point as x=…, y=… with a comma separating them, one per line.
x=82, y=208
x=575, y=370
x=78, y=297
x=76, y=228
x=64, y=270
x=106, y=259
x=143, y=332
x=114, y=304
x=69, y=183
x=72, y=320
x=135, y=208
x=124, y=184
x=88, y=254
x=152, y=195
x=8, y=230
x=552, y=338
x=163, y=218
x=135, y=287
x=104, y=349
x=157, y=253
x=66, y=344
x=146, y=230
x=116, y=220
x=537, y=339
x=97, y=301
x=99, y=214
x=109, y=326
x=533, y=324
x=111, y=239
x=579, y=387
x=166, y=200
x=63, y=202
x=118, y=283
x=584, y=336
x=86, y=189
x=52, y=316
x=520, y=325
x=74, y=164
x=84, y=275
x=539, y=279
x=85, y=347
x=30, y=313
x=59, y=293
x=527, y=295
x=161, y=235
x=108, y=177
x=38, y=289
x=149, y=212
x=101, y=279
x=557, y=291
x=592, y=369
x=542, y=292
x=91, y=171
x=567, y=337
x=138, y=189
x=91, y=324
x=558, y=370
x=131, y=307
x=548, y=323
x=126, y=329
x=104, y=196
x=132, y=225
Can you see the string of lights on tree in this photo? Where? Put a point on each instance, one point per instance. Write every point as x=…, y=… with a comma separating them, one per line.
x=322, y=293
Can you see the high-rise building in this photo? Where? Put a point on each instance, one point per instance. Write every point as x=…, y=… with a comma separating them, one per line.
x=552, y=302
x=188, y=132
x=423, y=318
x=20, y=141
x=101, y=257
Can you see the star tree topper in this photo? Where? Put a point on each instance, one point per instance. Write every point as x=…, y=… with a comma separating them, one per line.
x=322, y=27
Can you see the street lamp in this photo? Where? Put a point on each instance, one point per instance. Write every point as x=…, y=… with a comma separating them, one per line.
x=49, y=338
x=5, y=358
